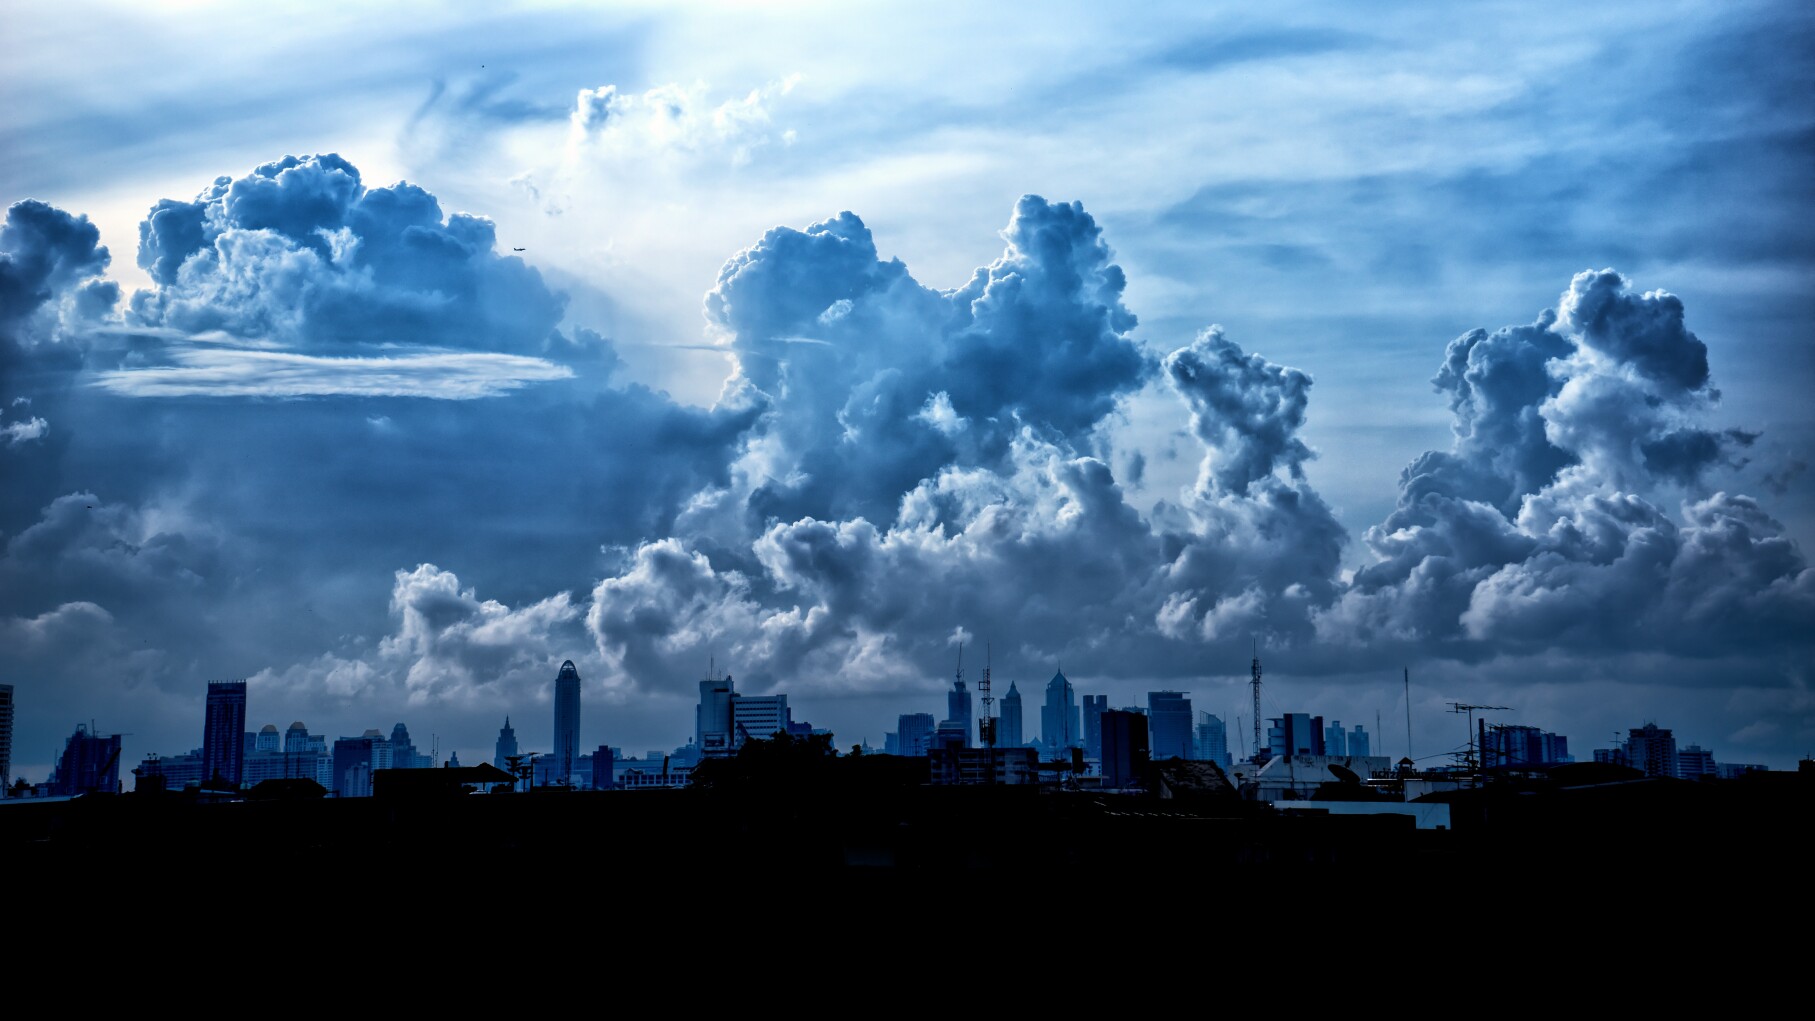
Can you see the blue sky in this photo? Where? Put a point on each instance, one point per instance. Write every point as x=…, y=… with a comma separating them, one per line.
x=433, y=347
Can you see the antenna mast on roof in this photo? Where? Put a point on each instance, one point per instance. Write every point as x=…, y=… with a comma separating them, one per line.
x=986, y=727
x=1256, y=671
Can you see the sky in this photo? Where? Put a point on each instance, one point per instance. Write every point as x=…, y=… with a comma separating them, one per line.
x=1445, y=355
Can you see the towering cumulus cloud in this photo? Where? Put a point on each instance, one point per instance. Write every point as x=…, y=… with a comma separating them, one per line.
x=1545, y=524
x=935, y=460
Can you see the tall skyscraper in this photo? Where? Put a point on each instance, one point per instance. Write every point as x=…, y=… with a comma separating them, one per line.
x=958, y=708
x=1653, y=749
x=1008, y=726
x=507, y=746
x=404, y=753
x=758, y=718
x=1059, y=716
x=1093, y=725
x=6, y=737
x=712, y=718
x=266, y=739
x=1358, y=743
x=567, y=722
x=224, y=734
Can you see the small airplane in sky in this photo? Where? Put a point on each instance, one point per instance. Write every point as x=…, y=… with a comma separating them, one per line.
x=516, y=249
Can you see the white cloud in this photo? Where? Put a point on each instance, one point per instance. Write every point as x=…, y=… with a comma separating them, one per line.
x=239, y=373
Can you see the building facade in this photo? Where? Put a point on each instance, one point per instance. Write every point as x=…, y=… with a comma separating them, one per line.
x=1125, y=747
x=1090, y=719
x=1169, y=725
x=567, y=723
x=914, y=734
x=958, y=708
x=1059, y=716
x=1009, y=733
x=6, y=737
x=1212, y=739
x=90, y=764
x=506, y=748
x=224, y=734
x=712, y=718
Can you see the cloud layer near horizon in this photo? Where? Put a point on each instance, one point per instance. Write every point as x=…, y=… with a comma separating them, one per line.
x=888, y=464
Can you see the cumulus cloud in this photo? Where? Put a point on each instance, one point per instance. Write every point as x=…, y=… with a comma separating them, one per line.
x=674, y=118
x=51, y=264
x=300, y=255
x=1546, y=523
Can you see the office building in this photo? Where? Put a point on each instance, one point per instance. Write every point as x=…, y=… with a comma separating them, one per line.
x=90, y=764
x=1125, y=747
x=1653, y=749
x=266, y=739
x=1059, y=717
x=1295, y=734
x=914, y=734
x=602, y=761
x=6, y=737
x=958, y=708
x=1212, y=739
x=1361, y=746
x=1335, y=739
x=567, y=723
x=757, y=717
x=712, y=718
x=1695, y=762
x=1169, y=725
x=506, y=748
x=404, y=753
x=224, y=734
x=984, y=766
x=1009, y=733
x=1514, y=745
x=356, y=759
x=1093, y=725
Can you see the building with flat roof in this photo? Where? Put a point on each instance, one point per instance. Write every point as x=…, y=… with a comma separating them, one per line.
x=224, y=734
x=6, y=737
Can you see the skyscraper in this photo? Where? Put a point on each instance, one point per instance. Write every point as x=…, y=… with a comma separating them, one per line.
x=1093, y=725
x=90, y=764
x=6, y=737
x=758, y=718
x=712, y=718
x=1169, y=725
x=1008, y=727
x=1653, y=749
x=1059, y=716
x=567, y=722
x=507, y=746
x=1212, y=739
x=224, y=734
x=958, y=708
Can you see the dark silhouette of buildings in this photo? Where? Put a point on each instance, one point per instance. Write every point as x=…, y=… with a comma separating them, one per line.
x=1124, y=747
x=223, y=735
x=1093, y=724
x=1009, y=732
x=90, y=764
x=1169, y=724
x=6, y=737
x=1059, y=716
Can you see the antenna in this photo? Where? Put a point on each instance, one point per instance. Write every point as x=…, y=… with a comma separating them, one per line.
x=1256, y=671
x=1408, y=712
x=986, y=727
x=1464, y=707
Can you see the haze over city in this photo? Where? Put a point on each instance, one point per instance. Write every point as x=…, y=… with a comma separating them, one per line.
x=387, y=361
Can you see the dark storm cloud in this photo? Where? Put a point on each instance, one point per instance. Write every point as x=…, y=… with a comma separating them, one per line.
x=1545, y=522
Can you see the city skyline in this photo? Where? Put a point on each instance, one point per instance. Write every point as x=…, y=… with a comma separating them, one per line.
x=392, y=364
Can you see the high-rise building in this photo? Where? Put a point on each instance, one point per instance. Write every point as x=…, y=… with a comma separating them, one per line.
x=1008, y=727
x=757, y=717
x=266, y=739
x=506, y=748
x=1653, y=749
x=567, y=723
x=1212, y=739
x=914, y=734
x=1518, y=745
x=1059, y=716
x=958, y=708
x=356, y=759
x=1169, y=725
x=1093, y=724
x=1335, y=739
x=712, y=719
x=90, y=764
x=224, y=734
x=1695, y=762
x=404, y=753
x=1295, y=734
x=1359, y=744
x=1125, y=747
x=6, y=738
x=602, y=761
